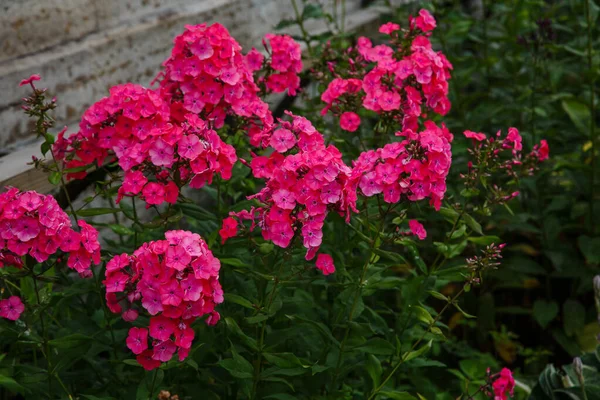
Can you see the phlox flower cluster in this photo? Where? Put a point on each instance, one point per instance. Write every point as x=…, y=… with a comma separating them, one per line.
x=502, y=153
x=208, y=75
x=503, y=385
x=413, y=169
x=283, y=65
x=158, y=155
x=305, y=180
x=400, y=79
x=34, y=224
x=175, y=281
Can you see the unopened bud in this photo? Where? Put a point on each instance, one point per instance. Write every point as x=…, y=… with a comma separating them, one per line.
x=164, y=395
x=597, y=285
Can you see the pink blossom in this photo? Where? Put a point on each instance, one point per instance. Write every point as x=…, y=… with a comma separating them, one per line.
x=164, y=351
x=417, y=229
x=161, y=328
x=171, y=294
x=11, y=308
x=425, y=21
x=175, y=280
x=137, y=340
x=229, y=229
x=282, y=140
x=349, y=121
x=325, y=264
x=284, y=199
x=177, y=258
x=154, y=193
x=145, y=360
x=474, y=135
x=189, y=147
x=30, y=80
x=130, y=315
x=388, y=28
x=504, y=384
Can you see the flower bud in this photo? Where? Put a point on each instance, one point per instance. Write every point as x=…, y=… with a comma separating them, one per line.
x=578, y=368
x=597, y=285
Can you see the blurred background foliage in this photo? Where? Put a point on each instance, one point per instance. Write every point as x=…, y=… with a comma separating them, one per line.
x=533, y=65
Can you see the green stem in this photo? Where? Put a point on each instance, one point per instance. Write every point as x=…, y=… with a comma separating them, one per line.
x=44, y=332
x=343, y=23
x=414, y=346
x=300, y=23
x=357, y=294
x=63, y=185
x=135, y=234
x=261, y=339
x=592, y=122
x=106, y=315
x=434, y=265
x=153, y=383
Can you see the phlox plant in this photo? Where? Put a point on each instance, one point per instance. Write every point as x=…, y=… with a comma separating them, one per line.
x=255, y=253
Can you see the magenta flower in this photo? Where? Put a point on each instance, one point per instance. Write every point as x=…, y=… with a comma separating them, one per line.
x=474, y=135
x=137, y=340
x=30, y=80
x=349, y=121
x=325, y=264
x=11, y=308
x=189, y=147
x=417, y=229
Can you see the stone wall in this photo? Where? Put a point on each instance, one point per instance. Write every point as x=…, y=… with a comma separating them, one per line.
x=83, y=47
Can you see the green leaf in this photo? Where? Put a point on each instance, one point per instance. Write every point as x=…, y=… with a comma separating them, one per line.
x=463, y=312
x=470, y=221
x=422, y=314
x=90, y=212
x=284, y=23
x=11, y=384
x=377, y=346
x=132, y=362
x=54, y=178
x=374, y=369
x=449, y=214
x=235, y=329
x=66, y=342
x=485, y=240
x=312, y=10
x=544, y=312
x=76, y=169
x=469, y=192
x=322, y=328
x=234, y=262
x=284, y=360
x=121, y=230
x=573, y=317
x=239, y=300
x=152, y=382
x=280, y=396
x=49, y=138
x=395, y=257
x=90, y=397
x=257, y=318
x=398, y=395
x=45, y=148
x=590, y=247
x=414, y=354
x=237, y=366
x=458, y=232
x=579, y=113
x=438, y=295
